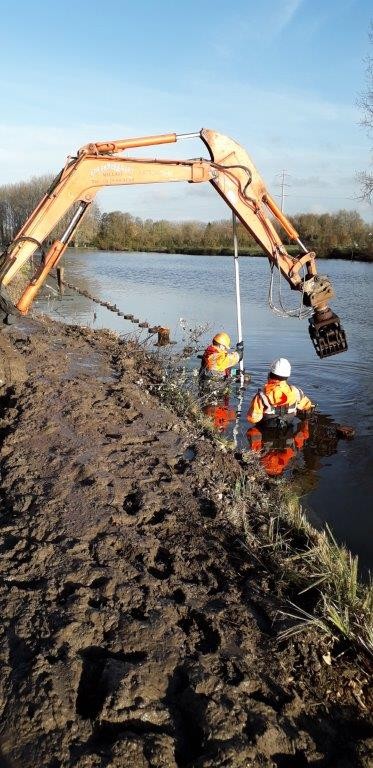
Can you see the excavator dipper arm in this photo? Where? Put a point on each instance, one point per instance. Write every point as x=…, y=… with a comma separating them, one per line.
x=232, y=174
x=241, y=186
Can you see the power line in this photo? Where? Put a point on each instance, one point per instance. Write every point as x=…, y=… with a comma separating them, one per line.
x=283, y=184
x=326, y=197
x=314, y=195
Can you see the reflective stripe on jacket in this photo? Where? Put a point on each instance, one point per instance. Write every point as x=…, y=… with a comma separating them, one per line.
x=218, y=360
x=277, y=399
x=283, y=410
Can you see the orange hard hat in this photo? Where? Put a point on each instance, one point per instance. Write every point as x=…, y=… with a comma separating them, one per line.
x=222, y=338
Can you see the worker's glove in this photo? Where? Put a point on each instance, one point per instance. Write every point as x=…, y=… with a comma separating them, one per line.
x=239, y=348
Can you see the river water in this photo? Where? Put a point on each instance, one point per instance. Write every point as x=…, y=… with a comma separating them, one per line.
x=184, y=292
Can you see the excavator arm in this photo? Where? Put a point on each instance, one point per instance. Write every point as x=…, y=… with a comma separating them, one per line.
x=230, y=171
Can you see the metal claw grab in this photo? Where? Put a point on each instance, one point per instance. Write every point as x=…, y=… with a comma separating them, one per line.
x=327, y=334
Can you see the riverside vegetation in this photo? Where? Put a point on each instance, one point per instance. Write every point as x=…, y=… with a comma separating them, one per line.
x=339, y=235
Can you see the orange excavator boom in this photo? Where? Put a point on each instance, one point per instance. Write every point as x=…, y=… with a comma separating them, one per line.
x=231, y=172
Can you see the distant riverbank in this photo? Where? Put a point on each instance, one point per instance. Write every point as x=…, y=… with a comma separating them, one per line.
x=346, y=254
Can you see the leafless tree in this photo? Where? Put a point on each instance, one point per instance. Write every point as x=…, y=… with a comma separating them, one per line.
x=18, y=200
x=366, y=104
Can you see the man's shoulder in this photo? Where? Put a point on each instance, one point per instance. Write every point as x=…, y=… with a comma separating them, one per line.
x=270, y=386
x=297, y=391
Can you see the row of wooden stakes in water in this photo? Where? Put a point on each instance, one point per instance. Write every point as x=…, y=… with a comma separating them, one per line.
x=163, y=333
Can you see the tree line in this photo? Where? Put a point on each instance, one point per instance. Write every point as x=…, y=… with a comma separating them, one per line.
x=18, y=201
x=343, y=234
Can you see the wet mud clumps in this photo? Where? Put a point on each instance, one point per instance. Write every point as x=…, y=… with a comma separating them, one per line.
x=137, y=626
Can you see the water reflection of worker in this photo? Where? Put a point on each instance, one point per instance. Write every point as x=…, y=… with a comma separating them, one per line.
x=278, y=402
x=217, y=360
x=277, y=448
x=220, y=413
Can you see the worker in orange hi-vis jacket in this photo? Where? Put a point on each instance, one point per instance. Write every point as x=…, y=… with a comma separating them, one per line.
x=277, y=402
x=217, y=360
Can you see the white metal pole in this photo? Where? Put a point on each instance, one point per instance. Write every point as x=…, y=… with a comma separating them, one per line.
x=239, y=326
x=238, y=295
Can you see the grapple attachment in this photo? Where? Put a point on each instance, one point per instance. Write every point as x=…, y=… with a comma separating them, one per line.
x=327, y=334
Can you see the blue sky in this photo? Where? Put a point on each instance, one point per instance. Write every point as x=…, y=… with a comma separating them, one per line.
x=282, y=77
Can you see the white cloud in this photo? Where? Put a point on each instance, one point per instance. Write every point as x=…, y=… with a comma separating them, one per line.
x=286, y=13
x=307, y=181
x=262, y=24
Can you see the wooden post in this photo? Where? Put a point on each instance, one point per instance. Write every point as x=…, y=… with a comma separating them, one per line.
x=163, y=337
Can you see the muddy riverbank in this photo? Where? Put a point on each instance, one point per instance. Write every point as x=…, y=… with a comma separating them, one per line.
x=138, y=623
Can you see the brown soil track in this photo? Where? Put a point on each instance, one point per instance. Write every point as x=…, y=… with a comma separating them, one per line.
x=137, y=628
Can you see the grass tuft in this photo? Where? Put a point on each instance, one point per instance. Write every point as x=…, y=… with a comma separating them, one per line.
x=314, y=560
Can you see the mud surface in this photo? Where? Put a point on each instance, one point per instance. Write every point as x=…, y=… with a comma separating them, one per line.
x=137, y=627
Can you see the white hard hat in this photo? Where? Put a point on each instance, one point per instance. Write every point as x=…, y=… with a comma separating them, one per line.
x=281, y=367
